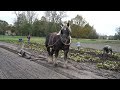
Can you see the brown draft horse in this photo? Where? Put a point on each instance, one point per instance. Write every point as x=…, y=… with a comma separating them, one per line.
x=58, y=41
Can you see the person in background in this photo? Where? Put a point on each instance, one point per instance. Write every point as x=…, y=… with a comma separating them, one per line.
x=78, y=45
x=107, y=49
x=28, y=38
x=20, y=40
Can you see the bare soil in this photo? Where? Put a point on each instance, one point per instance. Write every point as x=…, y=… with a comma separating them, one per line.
x=115, y=47
x=76, y=70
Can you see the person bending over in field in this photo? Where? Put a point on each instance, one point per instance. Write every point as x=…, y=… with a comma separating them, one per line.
x=107, y=49
x=78, y=45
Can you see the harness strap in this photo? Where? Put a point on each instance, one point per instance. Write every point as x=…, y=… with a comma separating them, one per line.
x=65, y=41
x=51, y=38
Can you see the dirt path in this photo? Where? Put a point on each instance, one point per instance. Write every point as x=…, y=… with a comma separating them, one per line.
x=14, y=67
x=24, y=68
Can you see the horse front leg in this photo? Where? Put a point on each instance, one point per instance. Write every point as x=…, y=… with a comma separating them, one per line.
x=65, y=58
x=50, y=56
x=56, y=56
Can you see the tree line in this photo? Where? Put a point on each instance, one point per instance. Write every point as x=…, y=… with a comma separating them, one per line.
x=27, y=23
x=117, y=34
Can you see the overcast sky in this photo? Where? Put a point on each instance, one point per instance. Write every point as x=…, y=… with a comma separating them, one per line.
x=105, y=22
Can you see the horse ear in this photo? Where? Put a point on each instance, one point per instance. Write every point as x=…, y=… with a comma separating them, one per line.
x=68, y=24
x=61, y=25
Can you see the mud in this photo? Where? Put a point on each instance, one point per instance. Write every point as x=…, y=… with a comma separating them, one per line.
x=76, y=70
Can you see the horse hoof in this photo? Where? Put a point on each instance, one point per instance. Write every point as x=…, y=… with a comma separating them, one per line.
x=50, y=62
x=55, y=64
x=65, y=66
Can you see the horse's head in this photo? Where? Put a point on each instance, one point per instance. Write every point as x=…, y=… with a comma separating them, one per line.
x=65, y=30
x=65, y=33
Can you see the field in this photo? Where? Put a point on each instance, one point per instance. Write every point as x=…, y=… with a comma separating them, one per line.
x=74, y=40
x=90, y=51
x=24, y=38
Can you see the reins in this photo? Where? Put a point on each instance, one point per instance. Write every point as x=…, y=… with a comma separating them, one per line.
x=52, y=41
x=65, y=43
x=65, y=40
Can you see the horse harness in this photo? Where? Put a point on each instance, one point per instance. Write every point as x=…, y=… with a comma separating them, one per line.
x=61, y=38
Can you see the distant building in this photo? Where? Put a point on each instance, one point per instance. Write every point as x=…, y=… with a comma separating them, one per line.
x=107, y=37
x=103, y=37
x=111, y=37
x=9, y=33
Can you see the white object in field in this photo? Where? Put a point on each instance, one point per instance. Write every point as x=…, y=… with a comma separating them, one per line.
x=78, y=44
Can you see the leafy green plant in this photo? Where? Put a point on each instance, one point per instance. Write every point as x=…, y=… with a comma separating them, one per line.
x=111, y=65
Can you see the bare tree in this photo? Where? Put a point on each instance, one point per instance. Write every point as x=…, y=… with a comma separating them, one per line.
x=17, y=13
x=79, y=20
x=55, y=16
x=30, y=16
x=43, y=18
x=61, y=15
x=47, y=15
x=117, y=34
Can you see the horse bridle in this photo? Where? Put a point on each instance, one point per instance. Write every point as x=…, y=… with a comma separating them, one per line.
x=65, y=43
